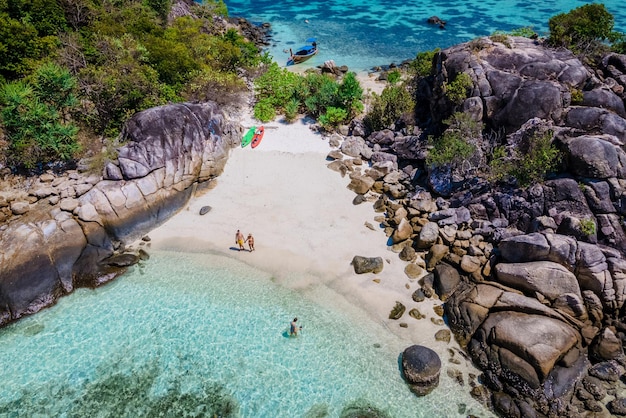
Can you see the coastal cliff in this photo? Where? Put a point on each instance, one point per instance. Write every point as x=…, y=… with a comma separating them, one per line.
x=71, y=231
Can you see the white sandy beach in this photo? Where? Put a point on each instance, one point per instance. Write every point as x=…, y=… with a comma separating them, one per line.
x=306, y=229
x=304, y=223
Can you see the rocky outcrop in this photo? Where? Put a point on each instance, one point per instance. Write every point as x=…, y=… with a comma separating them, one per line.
x=532, y=278
x=71, y=230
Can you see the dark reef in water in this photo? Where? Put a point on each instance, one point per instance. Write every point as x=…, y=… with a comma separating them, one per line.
x=122, y=394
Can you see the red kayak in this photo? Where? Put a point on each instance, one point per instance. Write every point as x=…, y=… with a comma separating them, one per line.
x=258, y=136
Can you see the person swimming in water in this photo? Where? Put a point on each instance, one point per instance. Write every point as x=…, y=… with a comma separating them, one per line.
x=294, y=328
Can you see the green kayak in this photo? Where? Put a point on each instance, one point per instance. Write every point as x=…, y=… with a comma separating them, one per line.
x=247, y=138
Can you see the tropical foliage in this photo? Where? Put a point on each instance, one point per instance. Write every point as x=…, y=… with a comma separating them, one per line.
x=35, y=114
x=455, y=145
x=394, y=103
x=280, y=91
x=585, y=29
x=527, y=164
x=112, y=59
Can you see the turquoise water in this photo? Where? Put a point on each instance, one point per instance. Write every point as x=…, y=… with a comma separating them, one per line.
x=365, y=33
x=198, y=335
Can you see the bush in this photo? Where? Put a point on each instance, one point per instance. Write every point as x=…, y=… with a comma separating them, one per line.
x=349, y=94
x=587, y=226
x=277, y=86
x=119, y=87
x=333, y=117
x=577, y=96
x=221, y=87
x=526, y=32
x=21, y=47
x=393, y=103
x=264, y=110
x=55, y=87
x=35, y=129
x=456, y=91
x=465, y=125
x=529, y=165
x=501, y=37
x=323, y=93
x=394, y=76
x=291, y=109
x=450, y=148
x=583, y=29
x=422, y=65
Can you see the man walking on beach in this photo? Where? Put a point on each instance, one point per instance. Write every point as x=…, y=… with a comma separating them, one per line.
x=239, y=240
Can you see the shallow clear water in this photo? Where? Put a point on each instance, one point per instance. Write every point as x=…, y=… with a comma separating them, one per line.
x=204, y=334
x=363, y=34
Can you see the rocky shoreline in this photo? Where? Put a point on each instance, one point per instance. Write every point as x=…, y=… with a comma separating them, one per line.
x=535, y=299
x=71, y=231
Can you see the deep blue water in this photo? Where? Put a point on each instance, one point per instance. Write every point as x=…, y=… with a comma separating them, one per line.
x=365, y=33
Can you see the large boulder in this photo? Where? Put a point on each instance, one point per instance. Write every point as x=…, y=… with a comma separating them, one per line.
x=595, y=157
x=549, y=279
x=421, y=367
x=528, y=247
x=52, y=250
x=536, y=340
x=604, y=98
x=515, y=82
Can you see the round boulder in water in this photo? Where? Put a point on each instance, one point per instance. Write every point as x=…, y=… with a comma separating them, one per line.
x=421, y=367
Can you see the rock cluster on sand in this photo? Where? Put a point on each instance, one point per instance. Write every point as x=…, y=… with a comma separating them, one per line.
x=533, y=279
x=70, y=227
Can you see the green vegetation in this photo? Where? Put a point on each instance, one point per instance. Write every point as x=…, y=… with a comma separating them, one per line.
x=501, y=37
x=394, y=76
x=587, y=226
x=34, y=113
x=454, y=146
x=393, y=103
x=577, y=96
x=456, y=90
x=422, y=65
x=526, y=32
x=112, y=59
x=279, y=90
x=584, y=29
x=529, y=164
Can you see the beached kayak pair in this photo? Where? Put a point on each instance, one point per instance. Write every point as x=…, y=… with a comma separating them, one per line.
x=253, y=137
